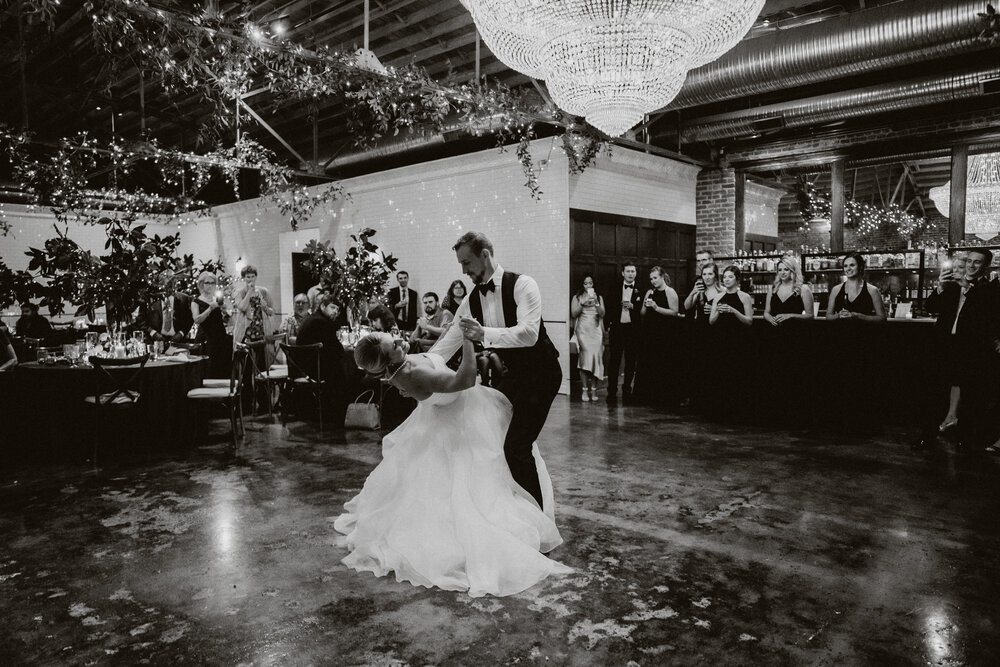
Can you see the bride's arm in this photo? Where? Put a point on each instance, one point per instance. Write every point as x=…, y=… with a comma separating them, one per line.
x=445, y=381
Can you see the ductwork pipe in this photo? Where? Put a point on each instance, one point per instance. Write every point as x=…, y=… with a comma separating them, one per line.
x=891, y=35
x=847, y=104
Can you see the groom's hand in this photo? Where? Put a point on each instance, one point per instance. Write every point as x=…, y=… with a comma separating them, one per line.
x=471, y=329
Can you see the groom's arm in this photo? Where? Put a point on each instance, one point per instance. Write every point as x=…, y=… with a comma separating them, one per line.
x=529, y=318
x=449, y=342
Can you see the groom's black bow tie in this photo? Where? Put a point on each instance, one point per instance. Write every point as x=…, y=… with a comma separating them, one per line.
x=629, y=285
x=486, y=287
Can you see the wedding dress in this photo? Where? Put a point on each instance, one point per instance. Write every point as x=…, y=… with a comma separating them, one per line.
x=442, y=509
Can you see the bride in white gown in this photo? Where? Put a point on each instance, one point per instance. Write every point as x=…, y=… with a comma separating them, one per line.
x=442, y=509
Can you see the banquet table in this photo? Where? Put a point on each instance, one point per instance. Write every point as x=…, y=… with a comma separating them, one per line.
x=51, y=419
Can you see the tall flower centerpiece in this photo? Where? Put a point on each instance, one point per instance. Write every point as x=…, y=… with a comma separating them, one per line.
x=356, y=279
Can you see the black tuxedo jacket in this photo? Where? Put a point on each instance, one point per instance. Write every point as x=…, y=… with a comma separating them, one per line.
x=412, y=310
x=979, y=321
x=613, y=304
x=150, y=318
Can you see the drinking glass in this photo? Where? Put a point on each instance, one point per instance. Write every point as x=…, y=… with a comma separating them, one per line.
x=72, y=353
x=91, y=340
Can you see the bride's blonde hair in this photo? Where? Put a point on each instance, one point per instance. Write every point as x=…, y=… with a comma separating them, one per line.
x=368, y=354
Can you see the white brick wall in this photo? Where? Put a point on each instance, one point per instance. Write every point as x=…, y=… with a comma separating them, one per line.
x=636, y=184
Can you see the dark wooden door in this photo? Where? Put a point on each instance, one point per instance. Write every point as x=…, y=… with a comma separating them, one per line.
x=601, y=243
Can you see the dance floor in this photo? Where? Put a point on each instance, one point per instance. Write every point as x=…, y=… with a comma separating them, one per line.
x=692, y=543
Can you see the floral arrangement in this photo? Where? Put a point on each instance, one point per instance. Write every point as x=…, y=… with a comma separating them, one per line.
x=357, y=278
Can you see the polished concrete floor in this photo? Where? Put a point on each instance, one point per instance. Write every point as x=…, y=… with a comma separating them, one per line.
x=692, y=543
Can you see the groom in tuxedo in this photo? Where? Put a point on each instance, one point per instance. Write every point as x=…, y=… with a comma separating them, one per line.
x=504, y=313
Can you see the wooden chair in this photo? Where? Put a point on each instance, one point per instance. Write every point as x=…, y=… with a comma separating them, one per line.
x=273, y=376
x=124, y=394
x=304, y=373
x=230, y=396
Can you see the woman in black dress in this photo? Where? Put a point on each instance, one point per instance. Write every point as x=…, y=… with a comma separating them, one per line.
x=698, y=307
x=659, y=325
x=207, y=312
x=790, y=298
x=732, y=309
x=855, y=299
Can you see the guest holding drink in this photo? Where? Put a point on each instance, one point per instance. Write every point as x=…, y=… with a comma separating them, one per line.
x=734, y=307
x=587, y=308
x=659, y=325
x=454, y=297
x=698, y=306
x=206, y=309
x=790, y=298
x=855, y=299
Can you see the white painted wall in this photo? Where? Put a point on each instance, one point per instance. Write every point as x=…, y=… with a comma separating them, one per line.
x=630, y=183
x=31, y=228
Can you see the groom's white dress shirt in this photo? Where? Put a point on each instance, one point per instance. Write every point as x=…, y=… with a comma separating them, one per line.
x=495, y=333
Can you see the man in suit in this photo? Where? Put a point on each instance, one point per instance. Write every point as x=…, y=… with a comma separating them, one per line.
x=321, y=327
x=623, y=305
x=504, y=313
x=168, y=318
x=968, y=326
x=404, y=303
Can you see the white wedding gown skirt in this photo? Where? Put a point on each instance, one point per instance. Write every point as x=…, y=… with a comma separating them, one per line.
x=442, y=509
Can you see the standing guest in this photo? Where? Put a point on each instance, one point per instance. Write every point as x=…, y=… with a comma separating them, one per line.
x=431, y=324
x=31, y=324
x=790, y=298
x=733, y=308
x=699, y=309
x=404, y=303
x=855, y=299
x=456, y=294
x=206, y=312
x=702, y=258
x=169, y=318
x=254, y=307
x=587, y=308
x=293, y=322
x=321, y=327
x=623, y=330
x=968, y=326
x=732, y=311
x=698, y=303
x=380, y=318
x=659, y=337
x=8, y=358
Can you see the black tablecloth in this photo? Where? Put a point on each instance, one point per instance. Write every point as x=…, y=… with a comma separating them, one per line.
x=48, y=415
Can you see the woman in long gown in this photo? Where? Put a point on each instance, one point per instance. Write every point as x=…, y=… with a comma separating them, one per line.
x=587, y=308
x=206, y=309
x=653, y=383
x=442, y=509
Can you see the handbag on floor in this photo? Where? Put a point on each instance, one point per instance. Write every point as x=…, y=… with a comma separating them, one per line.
x=363, y=414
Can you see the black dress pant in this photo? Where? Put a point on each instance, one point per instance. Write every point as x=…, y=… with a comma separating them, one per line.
x=530, y=391
x=625, y=339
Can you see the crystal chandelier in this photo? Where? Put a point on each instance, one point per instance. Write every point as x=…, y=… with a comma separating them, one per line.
x=611, y=61
x=982, y=196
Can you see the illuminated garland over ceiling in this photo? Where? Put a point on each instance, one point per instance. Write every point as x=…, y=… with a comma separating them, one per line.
x=865, y=218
